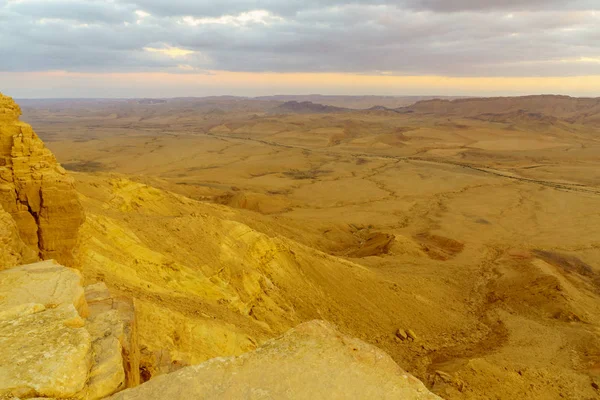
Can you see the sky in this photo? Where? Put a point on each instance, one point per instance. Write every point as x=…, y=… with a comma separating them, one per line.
x=158, y=48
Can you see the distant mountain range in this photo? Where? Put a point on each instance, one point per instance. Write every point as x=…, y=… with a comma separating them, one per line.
x=540, y=108
x=355, y=102
x=306, y=107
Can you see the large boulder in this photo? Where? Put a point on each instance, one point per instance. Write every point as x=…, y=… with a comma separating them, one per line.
x=311, y=361
x=53, y=341
x=44, y=352
x=46, y=283
x=35, y=190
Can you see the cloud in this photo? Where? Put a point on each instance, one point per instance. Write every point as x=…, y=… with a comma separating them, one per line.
x=263, y=17
x=173, y=52
x=292, y=7
x=93, y=11
x=404, y=37
x=495, y=5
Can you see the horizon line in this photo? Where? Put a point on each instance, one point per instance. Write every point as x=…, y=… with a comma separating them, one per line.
x=261, y=97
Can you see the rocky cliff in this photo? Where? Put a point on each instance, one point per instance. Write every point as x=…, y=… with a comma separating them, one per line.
x=13, y=251
x=35, y=190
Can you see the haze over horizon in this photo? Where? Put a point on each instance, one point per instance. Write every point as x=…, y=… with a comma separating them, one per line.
x=145, y=48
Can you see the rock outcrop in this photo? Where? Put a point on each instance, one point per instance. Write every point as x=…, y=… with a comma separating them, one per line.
x=63, y=341
x=13, y=251
x=35, y=190
x=53, y=343
x=311, y=361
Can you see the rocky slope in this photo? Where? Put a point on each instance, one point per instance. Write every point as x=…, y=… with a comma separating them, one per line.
x=214, y=281
x=311, y=361
x=35, y=190
x=61, y=340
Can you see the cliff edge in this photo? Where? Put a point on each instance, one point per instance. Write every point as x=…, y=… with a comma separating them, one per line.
x=36, y=191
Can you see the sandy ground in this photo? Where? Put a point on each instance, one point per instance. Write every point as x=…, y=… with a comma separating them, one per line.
x=482, y=237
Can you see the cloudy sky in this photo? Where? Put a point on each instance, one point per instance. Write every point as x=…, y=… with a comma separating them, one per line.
x=158, y=48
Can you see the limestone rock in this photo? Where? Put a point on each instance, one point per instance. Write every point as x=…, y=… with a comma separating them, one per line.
x=311, y=361
x=401, y=334
x=13, y=251
x=49, y=347
x=46, y=283
x=116, y=352
x=375, y=244
x=411, y=334
x=107, y=374
x=35, y=189
x=44, y=354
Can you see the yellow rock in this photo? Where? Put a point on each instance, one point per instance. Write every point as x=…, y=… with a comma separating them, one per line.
x=116, y=355
x=107, y=374
x=43, y=354
x=47, y=347
x=21, y=310
x=35, y=190
x=13, y=251
x=46, y=283
x=311, y=361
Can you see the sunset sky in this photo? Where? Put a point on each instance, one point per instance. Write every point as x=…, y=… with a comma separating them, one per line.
x=156, y=48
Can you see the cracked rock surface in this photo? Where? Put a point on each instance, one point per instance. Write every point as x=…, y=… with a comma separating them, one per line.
x=52, y=344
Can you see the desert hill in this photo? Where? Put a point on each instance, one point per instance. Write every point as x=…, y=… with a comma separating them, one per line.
x=570, y=109
x=355, y=102
x=305, y=107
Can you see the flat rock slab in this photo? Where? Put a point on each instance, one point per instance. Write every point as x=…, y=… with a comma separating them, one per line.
x=311, y=361
x=50, y=345
x=44, y=353
x=46, y=283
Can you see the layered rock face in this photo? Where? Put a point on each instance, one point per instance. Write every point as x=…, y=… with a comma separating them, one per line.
x=59, y=339
x=13, y=251
x=311, y=361
x=35, y=190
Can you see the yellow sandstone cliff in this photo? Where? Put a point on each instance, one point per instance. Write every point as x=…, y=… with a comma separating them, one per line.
x=35, y=190
x=13, y=251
